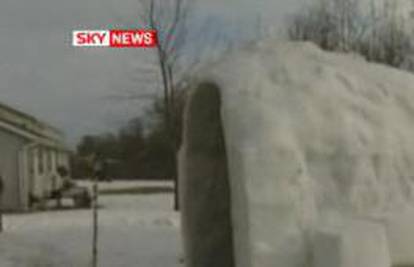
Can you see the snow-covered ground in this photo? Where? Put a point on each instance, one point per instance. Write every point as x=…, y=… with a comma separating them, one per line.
x=135, y=230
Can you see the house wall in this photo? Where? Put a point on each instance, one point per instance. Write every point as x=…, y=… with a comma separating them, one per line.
x=9, y=169
x=43, y=163
x=28, y=171
x=29, y=166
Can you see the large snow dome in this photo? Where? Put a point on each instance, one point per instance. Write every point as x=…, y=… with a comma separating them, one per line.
x=295, y=157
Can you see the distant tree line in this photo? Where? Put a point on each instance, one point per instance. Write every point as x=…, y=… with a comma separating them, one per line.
x=377, y=31
x=374, y=30
x=137, y=151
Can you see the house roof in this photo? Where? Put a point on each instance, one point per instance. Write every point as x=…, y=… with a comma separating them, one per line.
x=29, y=127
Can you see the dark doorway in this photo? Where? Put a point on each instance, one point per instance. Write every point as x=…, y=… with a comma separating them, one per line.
x=206, y=196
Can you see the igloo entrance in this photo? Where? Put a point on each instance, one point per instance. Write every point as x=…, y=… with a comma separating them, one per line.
x=206, y=199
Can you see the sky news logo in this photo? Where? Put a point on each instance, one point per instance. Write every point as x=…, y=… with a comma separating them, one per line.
x=115, y=38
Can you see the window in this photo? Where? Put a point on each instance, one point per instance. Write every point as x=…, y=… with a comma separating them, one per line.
x=49, y=161
x=40, y=160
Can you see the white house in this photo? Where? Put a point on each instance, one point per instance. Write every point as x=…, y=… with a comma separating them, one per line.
x=30, y=153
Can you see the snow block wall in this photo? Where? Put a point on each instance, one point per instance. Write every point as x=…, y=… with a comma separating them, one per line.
x=355, y=243
x=285, y=145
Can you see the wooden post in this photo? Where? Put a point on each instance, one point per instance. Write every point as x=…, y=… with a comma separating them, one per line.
x=95, y=224
x=1, y=214
x=95, y=215
x=1, y=203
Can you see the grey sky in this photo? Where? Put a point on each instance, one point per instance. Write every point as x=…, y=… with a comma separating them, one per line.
x=71, y=88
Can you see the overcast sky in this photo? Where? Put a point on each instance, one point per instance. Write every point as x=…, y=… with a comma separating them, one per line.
x=73, y=89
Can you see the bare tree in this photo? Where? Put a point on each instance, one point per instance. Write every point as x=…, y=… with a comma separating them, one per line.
x=343, y=25
x=396, y=42
x=388, y=41
x=169, y=19
x=176, y=60
x=315, y=23
x=332, y=24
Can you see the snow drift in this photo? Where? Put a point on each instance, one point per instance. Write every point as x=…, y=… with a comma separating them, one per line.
x=288, y=149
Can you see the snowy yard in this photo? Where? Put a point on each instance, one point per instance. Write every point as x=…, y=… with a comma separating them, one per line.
x=135, y=230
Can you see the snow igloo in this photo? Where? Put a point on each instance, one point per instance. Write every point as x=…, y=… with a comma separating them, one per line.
x=295, y=157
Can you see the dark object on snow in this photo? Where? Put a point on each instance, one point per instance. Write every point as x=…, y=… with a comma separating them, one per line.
x=79, y=194
x=102, y=169
x=62, y=171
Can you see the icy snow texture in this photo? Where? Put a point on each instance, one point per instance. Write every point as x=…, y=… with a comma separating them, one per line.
x=311, y=138
x=355, y=244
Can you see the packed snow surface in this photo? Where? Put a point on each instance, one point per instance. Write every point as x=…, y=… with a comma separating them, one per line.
x=312, y=138
x=134, y=230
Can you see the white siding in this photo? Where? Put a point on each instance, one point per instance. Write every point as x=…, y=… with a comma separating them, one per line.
x=44, y=163
x=9, y=169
